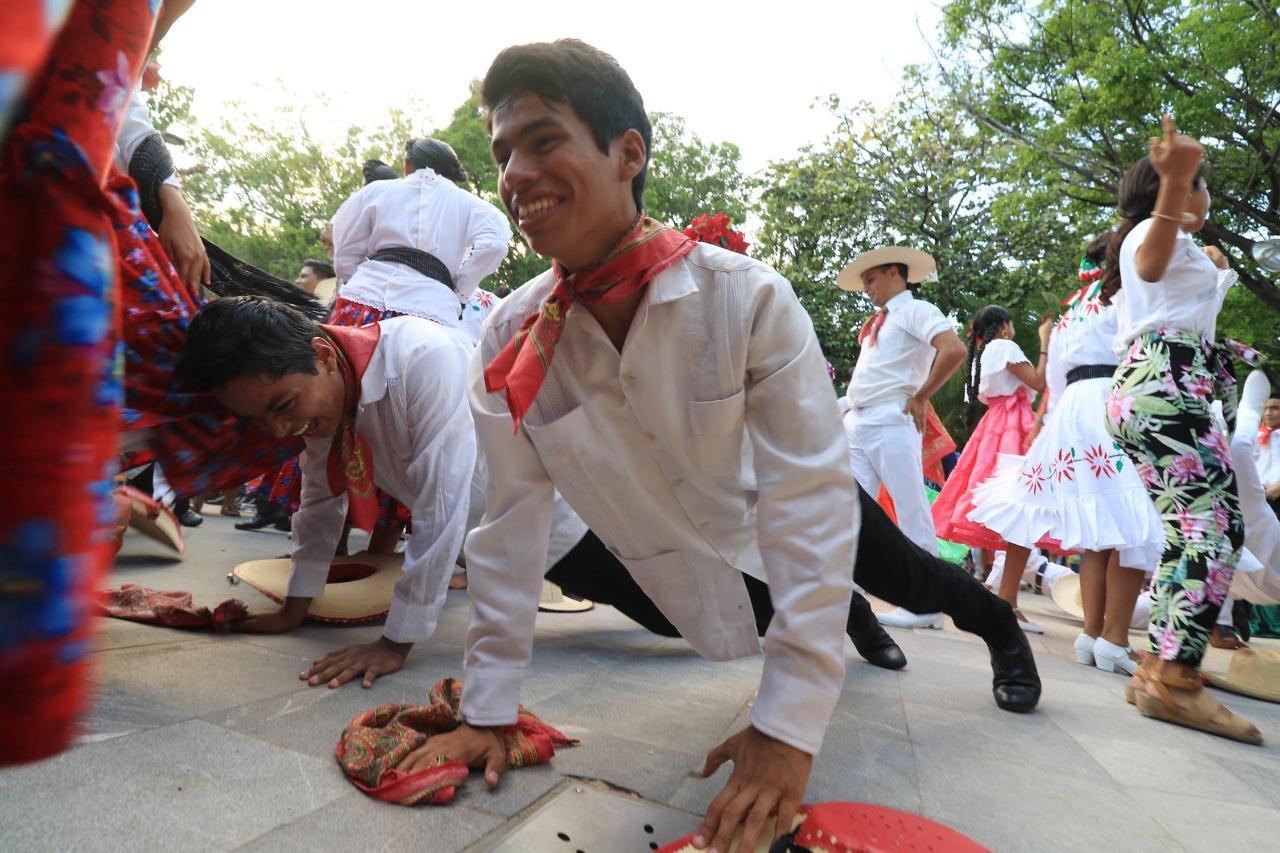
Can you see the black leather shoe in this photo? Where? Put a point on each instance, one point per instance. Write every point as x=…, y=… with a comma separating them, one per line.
x=283, y=524
x=1014, y=680
x=870, y=639
x=190, y=518
x=258, y=522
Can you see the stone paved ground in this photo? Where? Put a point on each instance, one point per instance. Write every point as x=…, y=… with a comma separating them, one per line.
x=210, y=742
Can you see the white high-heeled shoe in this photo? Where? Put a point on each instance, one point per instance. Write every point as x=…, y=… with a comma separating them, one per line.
x=1084, y=649
x=1109, y=657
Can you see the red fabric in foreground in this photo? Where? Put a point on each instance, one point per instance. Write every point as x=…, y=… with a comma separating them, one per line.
x=170, y=609
x=377, y=740
x=864, y=828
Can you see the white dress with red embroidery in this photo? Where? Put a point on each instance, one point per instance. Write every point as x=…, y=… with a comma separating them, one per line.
x=1075, y=488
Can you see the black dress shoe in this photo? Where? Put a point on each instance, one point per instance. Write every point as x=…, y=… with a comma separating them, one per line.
x=1014, y=680
x=283, y=523
x=870, y=638
x=258, y=522
x=190, y=518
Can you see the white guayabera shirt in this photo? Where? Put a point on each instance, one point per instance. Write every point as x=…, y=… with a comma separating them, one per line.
x=421, y=211
x=708, y=447
x=414, y=415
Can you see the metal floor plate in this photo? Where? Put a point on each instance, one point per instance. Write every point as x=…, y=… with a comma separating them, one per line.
x=585, y=819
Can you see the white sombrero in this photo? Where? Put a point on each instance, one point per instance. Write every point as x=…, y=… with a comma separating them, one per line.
x=359, y=587
x=1066, y=594
x=920, y=265
x=1252, y=672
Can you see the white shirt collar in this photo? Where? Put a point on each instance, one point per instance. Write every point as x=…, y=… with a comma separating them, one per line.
x=900, y=300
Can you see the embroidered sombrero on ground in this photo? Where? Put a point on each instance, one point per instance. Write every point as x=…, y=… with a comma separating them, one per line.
x=1252, y=672
x=853, y=828
x=359, y=587
x=920, y=265
x=149, y=517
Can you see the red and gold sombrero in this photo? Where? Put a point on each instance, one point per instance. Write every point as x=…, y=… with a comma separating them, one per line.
x=853, y=828
x=359, y=587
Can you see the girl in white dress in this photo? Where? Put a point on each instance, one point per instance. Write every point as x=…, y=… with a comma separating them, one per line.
x=1075, y=490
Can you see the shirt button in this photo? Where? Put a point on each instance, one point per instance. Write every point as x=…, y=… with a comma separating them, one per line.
x=627, y=377
x=650, y=436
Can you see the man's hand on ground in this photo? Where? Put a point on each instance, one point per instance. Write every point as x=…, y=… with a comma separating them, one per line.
x=288, y=617
x=768, y=776
x=478, y=747
x=370, y=660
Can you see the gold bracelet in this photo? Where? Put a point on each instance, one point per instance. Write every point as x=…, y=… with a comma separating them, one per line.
x=1158, y=215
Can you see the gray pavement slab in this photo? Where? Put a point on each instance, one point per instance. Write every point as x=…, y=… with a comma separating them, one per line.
x=226, y=719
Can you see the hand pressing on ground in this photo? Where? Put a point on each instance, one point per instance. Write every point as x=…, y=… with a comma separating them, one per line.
x=768, y=776
x=478, y=747
x=370, y=660
x=288, y=617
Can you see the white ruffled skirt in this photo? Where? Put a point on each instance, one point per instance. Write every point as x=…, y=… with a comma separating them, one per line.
x=1075, y=489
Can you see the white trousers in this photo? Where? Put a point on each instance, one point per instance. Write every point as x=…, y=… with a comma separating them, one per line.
x=885, y=449
x=1258, y=585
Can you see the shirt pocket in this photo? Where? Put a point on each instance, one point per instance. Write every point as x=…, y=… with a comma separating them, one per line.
x=666, y=578
x=716, y=429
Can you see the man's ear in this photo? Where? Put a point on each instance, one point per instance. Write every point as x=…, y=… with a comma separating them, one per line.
x=325, y=355
x=632, y=154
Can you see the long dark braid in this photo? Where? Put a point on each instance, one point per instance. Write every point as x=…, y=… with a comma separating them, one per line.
x=986, y=323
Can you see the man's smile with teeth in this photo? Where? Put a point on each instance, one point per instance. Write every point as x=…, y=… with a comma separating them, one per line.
x=302, y=430
x=534, y=208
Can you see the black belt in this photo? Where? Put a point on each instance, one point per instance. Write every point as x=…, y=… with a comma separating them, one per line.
x=424, y=262
x=1090, y=371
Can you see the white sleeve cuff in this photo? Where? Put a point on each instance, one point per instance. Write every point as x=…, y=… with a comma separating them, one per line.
x=792, y=711
x=491, y=697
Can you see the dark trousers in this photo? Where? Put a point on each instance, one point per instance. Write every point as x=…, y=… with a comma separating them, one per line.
x=889, y=566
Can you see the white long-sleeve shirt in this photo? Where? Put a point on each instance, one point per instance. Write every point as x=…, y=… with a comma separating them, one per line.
x=708, y=447
x=421, y=211
x=135, y=128
x=414, y=415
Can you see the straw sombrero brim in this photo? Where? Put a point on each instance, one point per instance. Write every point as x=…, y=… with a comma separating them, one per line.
x=1266, y=692
x=364, y=597
x=920, y=265
x=1066, y=594
x=153, y=519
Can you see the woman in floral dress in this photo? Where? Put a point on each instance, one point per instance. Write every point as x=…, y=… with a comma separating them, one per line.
x=1075, y=490
x=1159, y=412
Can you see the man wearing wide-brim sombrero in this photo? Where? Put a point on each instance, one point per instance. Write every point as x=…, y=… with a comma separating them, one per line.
x=908, y=351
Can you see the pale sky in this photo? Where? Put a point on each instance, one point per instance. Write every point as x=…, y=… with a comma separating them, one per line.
x=746, y=72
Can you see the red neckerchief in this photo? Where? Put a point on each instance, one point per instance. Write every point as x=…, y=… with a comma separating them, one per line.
x=350, y=466
x=1264, y=435
x=871, y=327
x=646, y=250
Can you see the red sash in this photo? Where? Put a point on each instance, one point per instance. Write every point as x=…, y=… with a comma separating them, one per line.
x=520, y=368
x=350, y=466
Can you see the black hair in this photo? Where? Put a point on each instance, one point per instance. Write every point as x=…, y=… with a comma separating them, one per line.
x=322, y=269
x=1095, y=252
x=242, y=336
x=1137, y=200
x=901, y=268
x=427, y=152
x=374, y=169
x=589, y=80
x=986, y=323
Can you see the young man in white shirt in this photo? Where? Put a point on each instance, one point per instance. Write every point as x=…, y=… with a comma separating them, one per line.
x=382, y=405
x=908, y=351
x=1268, y=453
x=675, y=394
